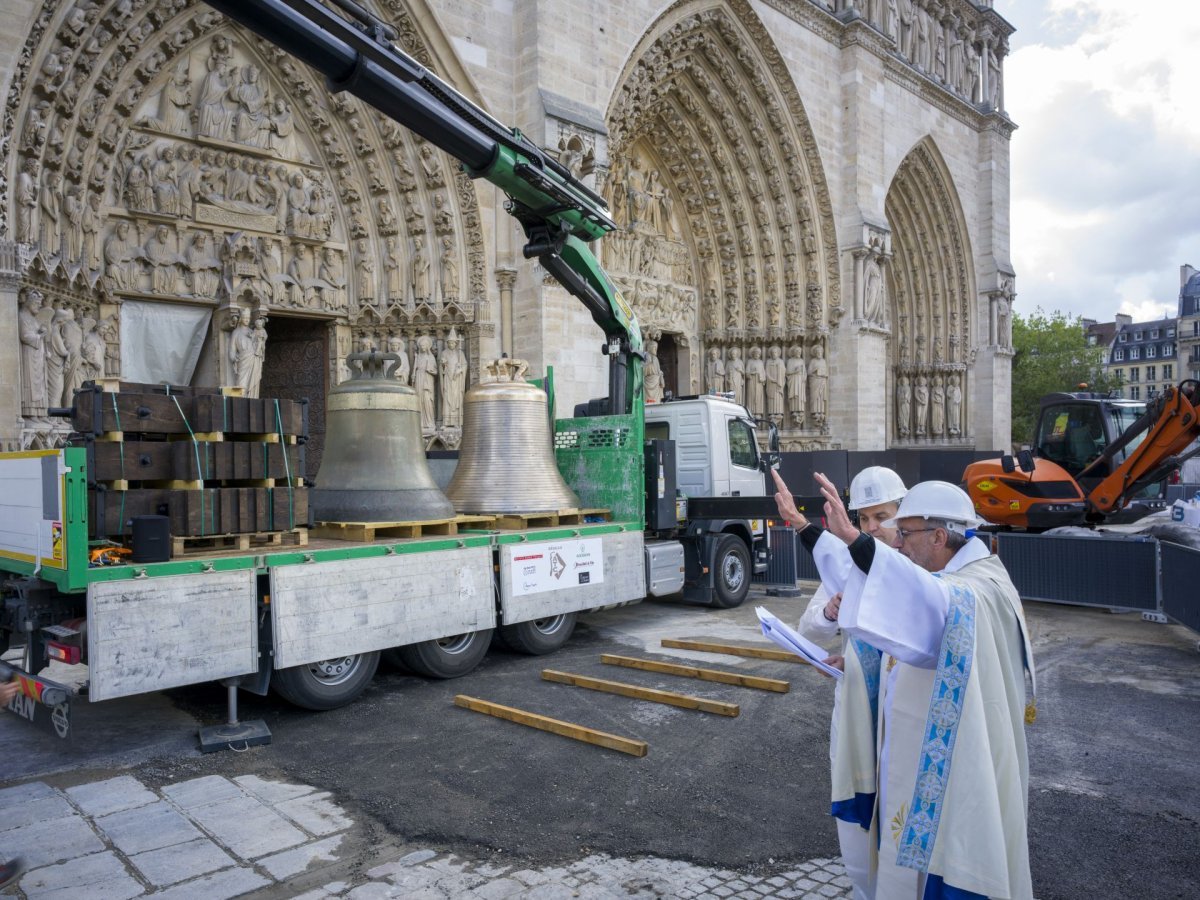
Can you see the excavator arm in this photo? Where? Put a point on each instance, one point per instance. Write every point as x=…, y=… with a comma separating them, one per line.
x=560, y=215
x=1171, y=422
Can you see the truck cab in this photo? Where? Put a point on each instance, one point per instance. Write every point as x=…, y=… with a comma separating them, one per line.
x=716, y=449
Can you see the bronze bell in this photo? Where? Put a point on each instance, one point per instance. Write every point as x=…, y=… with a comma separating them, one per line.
x=374, y=467
x=506, y=460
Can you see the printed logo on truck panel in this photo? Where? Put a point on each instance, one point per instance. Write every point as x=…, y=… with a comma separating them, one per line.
x=561, y=565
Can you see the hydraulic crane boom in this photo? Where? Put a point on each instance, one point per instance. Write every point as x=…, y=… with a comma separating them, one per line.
x=560, y=214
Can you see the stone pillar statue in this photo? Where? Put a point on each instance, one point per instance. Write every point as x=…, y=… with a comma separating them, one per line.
x=652, y=374
x=453, y=381
x=714, y=371
x=796, y=381
x=259, y=337
x=954, y=407
x=241, y=350
x=818, y=385
x=93, y=351
x=921, y=394
x=449, y=265
x=395, y=344
x=937, y=409
x=424, y=379
x=735, y=375
x=776, y=378
x=756, y=381
x=419, y=279
x=903, y=407
x=33, y=335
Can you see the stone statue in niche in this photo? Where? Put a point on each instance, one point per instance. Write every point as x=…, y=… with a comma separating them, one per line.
x=204, y=267
x=281, y=130
x=797, y=379
x=735, y=375
x=921, y=396
x=756, y=382
x=73, y=207
x=443, y=218
x=366, y=271
x=449, y=266
x=92, y=351
x=241, y=350
x=937, y=408
x=818, y=385
x=139, y=193
x=993, y=77
x=297, y=206
x=27, y=201
x=68, y=343
x=955, y=61
x=395, y=270
x=48, y=236
x=160, y=254
x=212, y=116
x=121, y=265
x=301, y=273
x=106, y=328
x=419, y=276
x=320, y=214
x=375, y=180
x=776, y=380
x=891, y=20
x=903, y=406
x=652, y=375
x=32, y=332
x=431, y=166
x=953, y=406
x=164, y=177
x=873, y=300
x=251, y=117
x=395, y=344
x=424, y=379
x=332, y=274
x=175, y=105
x=714, y=371
x=920, y=56
x=386, y=219
x=259, y=338
x=453, y=381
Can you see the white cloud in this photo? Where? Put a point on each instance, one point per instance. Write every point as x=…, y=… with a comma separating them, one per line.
x=1106, y=159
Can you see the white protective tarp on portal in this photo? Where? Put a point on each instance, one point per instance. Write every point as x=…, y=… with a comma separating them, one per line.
x=161, y=342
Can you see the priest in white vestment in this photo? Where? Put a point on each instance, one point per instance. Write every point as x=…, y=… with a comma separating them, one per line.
x=951, y=815
x=875, y=493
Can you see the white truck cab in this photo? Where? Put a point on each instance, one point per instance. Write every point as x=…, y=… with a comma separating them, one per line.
x=715, y=445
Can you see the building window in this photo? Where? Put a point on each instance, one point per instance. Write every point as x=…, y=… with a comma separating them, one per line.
x=1150, y=351
x=1135, y=374
x=1168, y=350
x=1150, y=376
x=1135, y=352
x=1124, y=338
x=1168, y=371
x=1196, y=328
x=1120, y=374
x=1118, y=355
x=1151, y=392
x=1135, y=393
x=1137, y=335
x=1171, y=331
x=1154, y=334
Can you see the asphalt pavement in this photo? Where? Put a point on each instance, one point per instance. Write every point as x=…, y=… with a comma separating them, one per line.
x=408, y=795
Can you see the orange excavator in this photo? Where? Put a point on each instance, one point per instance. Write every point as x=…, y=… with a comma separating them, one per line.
x=1095, y=459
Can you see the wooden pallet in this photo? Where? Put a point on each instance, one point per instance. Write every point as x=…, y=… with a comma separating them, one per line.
x=198, y=545
x=520, y=521
x=366, y=532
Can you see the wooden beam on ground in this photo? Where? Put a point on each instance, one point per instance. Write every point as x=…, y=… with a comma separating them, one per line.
x=734, y=678
x=554, y=726
x=734, y=650
x=684, y=701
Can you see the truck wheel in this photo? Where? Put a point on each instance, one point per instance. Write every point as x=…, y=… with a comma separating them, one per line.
x=447, y=657
x=539, y=636
x=327, y=684
x=731, y=571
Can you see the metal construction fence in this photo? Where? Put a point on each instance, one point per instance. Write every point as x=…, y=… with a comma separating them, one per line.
x=1181, y=584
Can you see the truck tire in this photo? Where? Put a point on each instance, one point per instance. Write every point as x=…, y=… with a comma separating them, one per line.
x=327, y=684
x=539, y=636
x=449, y=657
x=731, y=571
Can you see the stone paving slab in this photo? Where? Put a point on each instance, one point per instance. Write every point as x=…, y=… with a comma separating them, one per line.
x=272, y=791
x=315, y=813
x=289, y=863
x=113, y=795
x=52, y=841
x=179, y=862
x=103, y=876
x=147, y=828
x=201, y=791
x=247, y=827
x=36, y=810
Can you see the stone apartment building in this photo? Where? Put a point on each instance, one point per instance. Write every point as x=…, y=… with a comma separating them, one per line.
x=825, y=183
x=1144, y=357
x=1189, y=322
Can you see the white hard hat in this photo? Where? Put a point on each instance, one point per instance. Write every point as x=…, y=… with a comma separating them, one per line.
x=938, y=500
x=875, y=485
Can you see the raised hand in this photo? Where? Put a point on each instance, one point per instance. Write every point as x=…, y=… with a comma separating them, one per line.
x=786, y=503
x=837, y=520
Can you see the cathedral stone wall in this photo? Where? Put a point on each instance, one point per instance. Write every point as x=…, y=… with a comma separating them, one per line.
x=813, y=199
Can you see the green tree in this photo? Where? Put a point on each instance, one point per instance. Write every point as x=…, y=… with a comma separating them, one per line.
x=1051, y=354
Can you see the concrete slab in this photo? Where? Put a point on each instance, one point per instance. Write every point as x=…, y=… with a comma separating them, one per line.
x=201, y=791
x=103, y=797
x=247, y=827
x=289, y=863
x=221, y=886
x=52, y=841
x=103, y=874
x=23, y=793
x=316, y=814
x=52, y=807
x=272, y=791
x=147, y=828
x=171, y=865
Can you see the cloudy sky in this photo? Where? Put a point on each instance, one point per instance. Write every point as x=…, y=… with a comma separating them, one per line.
x=1106, y=158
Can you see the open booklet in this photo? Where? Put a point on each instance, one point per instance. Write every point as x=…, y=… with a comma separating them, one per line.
x=789, y=639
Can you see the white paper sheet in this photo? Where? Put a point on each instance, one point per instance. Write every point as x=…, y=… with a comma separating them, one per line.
x=793, y=642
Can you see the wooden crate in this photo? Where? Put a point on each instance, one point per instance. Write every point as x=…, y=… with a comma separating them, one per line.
x=113, y=414
x=520, y=521
x=187, y=460
x=198, y=546
x=200, y=512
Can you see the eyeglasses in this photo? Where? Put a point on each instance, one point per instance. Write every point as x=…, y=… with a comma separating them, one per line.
x=904, y=532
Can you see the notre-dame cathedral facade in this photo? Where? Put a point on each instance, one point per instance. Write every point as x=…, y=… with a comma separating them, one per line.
x=813, y=200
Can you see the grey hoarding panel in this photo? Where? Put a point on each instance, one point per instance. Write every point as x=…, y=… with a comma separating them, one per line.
x=1113, y=572
x=1181, y=584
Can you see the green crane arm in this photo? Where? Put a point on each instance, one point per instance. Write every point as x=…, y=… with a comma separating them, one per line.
x=355, y=52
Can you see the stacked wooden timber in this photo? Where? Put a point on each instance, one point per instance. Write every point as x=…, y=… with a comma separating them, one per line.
x=213, y=462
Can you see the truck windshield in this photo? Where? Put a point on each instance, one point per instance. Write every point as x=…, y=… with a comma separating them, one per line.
x=1122, y=417
x=743, y=451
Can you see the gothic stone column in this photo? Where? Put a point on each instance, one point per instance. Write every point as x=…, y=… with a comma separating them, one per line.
x=12, y=264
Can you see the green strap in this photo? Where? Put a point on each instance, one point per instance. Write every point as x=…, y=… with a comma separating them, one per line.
x=117, y=416
x=287, y=467
x=199, y=468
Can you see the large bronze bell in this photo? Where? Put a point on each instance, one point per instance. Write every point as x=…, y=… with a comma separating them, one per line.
x=506, y=461
x=374, y=467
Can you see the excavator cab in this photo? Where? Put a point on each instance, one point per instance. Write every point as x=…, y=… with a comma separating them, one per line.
x=1073, y=430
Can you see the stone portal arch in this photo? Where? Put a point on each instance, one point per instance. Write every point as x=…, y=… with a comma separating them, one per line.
x=728, y=240
x=930, y=283
x=159, y=153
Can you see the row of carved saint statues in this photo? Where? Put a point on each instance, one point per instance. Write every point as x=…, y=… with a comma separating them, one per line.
x=928, y=404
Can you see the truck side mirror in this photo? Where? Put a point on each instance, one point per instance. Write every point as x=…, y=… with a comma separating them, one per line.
x=1007, y=463
x=1025, y=460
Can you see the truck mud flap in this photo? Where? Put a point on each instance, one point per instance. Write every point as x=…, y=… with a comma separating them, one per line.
x=43, y=703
